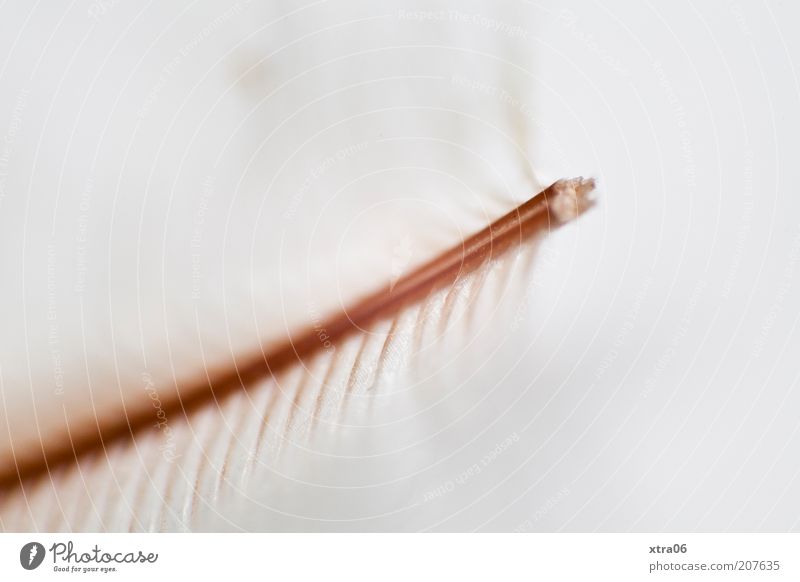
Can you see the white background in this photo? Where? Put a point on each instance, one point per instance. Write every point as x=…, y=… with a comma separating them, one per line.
x=653, y=384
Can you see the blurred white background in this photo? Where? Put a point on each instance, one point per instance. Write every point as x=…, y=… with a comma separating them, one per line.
x=184, y=183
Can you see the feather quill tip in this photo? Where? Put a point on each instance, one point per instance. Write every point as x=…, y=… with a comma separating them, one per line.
x=570, y=198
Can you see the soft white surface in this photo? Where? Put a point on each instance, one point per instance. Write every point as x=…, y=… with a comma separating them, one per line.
x=188, y=182
x=661, y=327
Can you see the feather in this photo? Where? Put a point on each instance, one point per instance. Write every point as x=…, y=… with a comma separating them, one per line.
x=368, y=436
x=136, y=273
x=208, y=194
